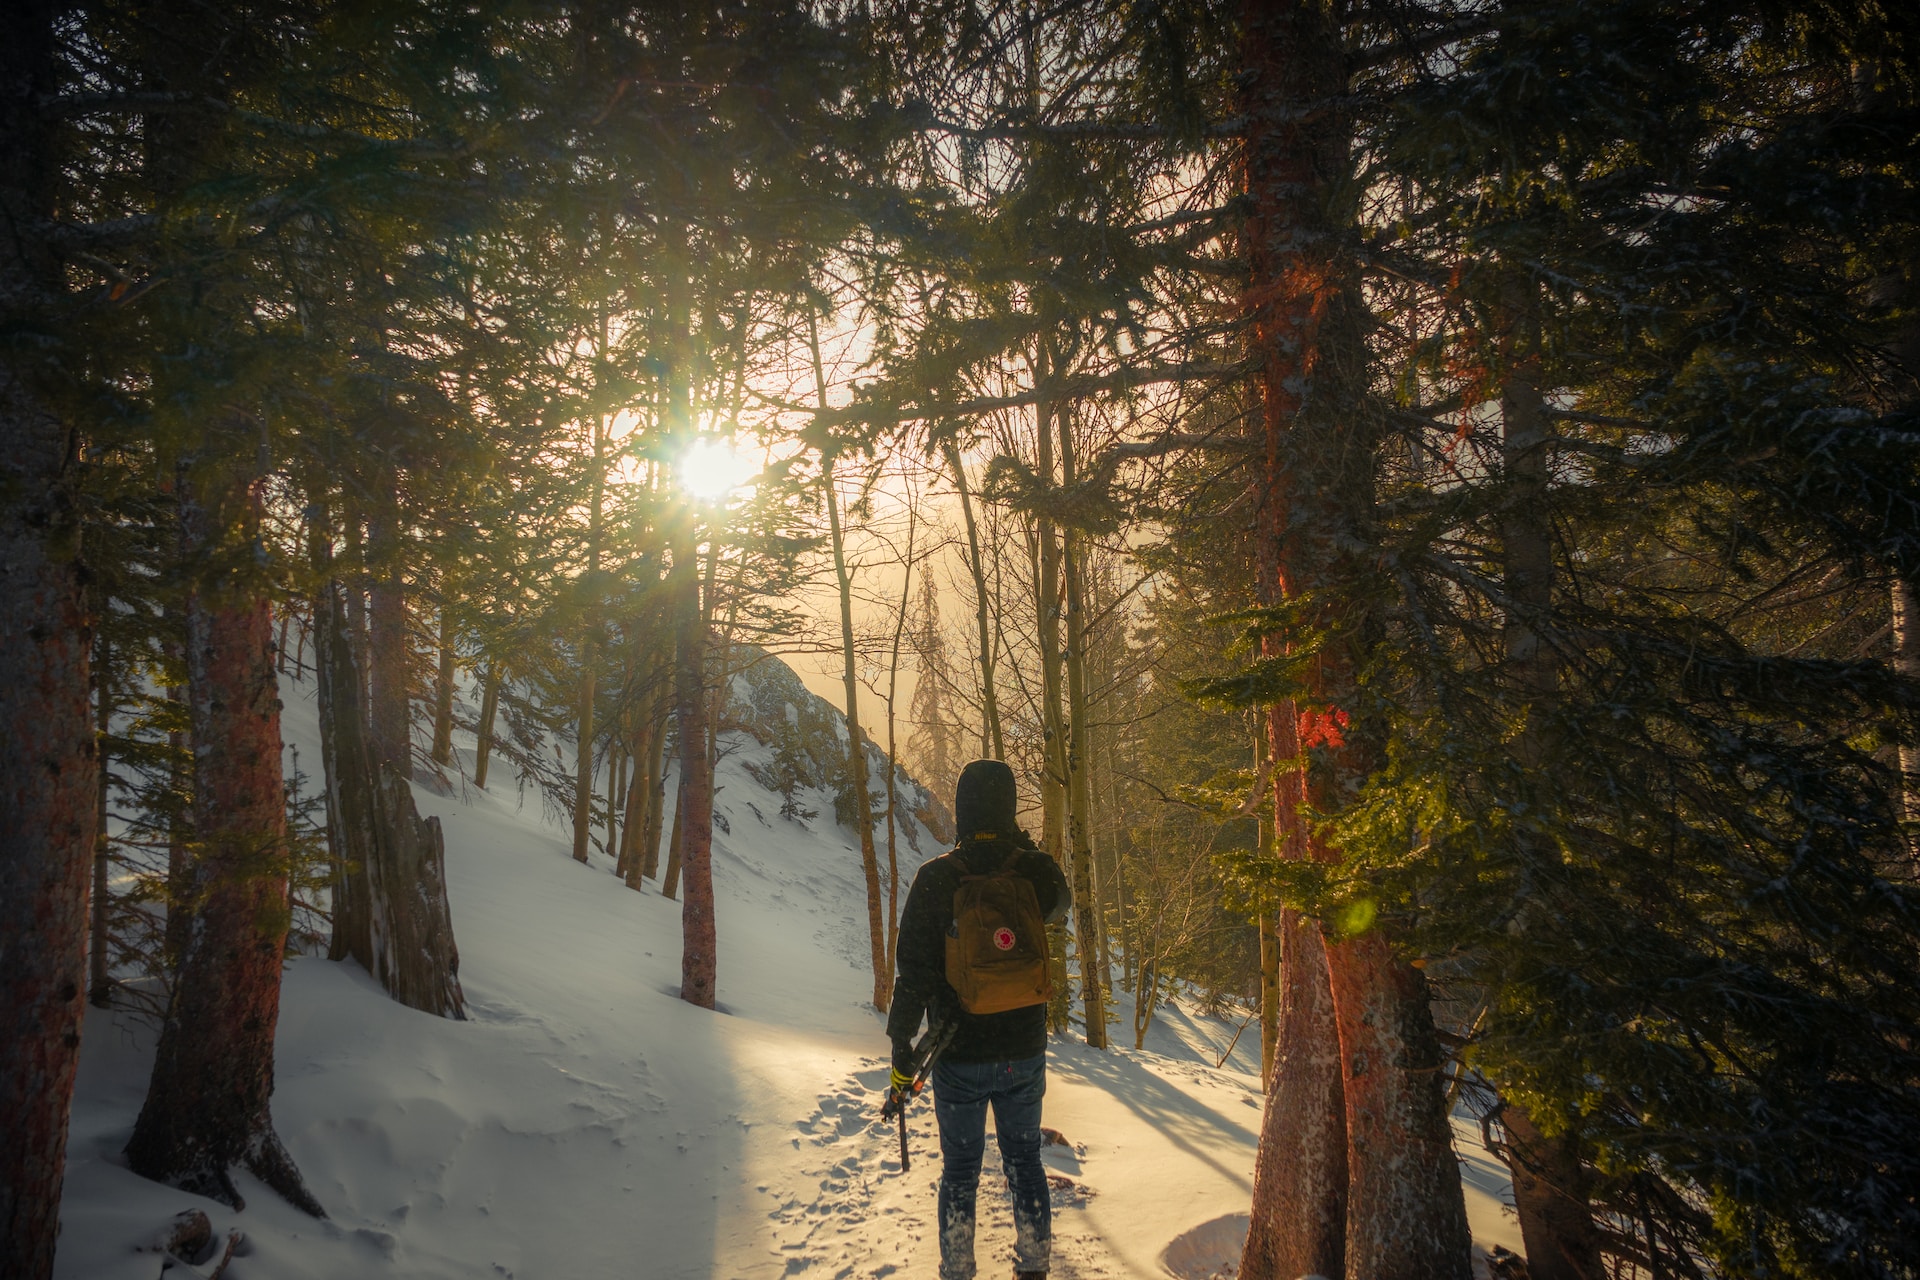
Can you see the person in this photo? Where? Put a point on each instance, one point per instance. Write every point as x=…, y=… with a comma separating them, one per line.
x=996, y=1059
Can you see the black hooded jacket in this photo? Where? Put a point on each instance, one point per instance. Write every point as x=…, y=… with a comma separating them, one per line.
x=920, y=986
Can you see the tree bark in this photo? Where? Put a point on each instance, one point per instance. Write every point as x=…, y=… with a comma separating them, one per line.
x=1299, y=1219
x=1405, y=1211
x=389, y=698
x=1265, y=922
x=47, y=770
x=1550, y=1189
x=857, y=756
x=656, y=800
x=1906, y=661
x=589, y=655
x=207, y=1105
x=857, y=779
x=443, y=691
x=990, y=739
x=670, y=878
x=699, y=958
x=99, y=974
x=347, y=760
x=489, y=708
x=1551, y=1195
x=179, y=857
x=1086, y=904
x=391, y=911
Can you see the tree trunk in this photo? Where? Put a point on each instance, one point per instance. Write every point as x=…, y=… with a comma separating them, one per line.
x=99, y=973
x=47, y=769
x=699, y=959
x=389, y=699
x=1086, y=903
x=347, y=760
x=1299, y=1225
x=670, y=878
x=583, y=759
x=489, y=708
x=656, y=801
x=443, y=692
x=1551, y=1197
x=616, y=780
x=391, y=911
x=1265, y=922
x=857, y=757
x=1906, y=661
x=1405, y=1212
x=179, y=857
x=1550, y=1188
x=857, y=778
x=636, y=816
x=991, y=742
x=207, y=1106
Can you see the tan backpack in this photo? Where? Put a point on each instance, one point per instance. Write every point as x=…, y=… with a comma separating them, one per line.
x=997, y=947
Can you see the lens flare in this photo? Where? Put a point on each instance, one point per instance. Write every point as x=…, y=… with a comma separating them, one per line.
x=710, y=470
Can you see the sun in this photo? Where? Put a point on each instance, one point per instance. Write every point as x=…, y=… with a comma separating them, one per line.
x=710, y=470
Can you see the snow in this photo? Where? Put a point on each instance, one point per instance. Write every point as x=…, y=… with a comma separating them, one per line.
x=585, y=1122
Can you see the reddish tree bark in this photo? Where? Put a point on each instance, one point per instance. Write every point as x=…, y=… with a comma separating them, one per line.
x=1405, y=1211
x=1299, y=1220
x=207, y=1106
x=47, y=767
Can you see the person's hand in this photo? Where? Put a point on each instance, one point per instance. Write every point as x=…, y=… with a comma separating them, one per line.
x=902, y=1082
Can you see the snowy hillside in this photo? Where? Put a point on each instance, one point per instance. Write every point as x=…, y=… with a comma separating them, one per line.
x=586, y=1123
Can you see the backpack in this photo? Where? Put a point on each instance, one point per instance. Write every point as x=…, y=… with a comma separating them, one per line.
x=997, y=945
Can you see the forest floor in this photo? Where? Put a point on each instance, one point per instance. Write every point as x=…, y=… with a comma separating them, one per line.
x=585, y=1123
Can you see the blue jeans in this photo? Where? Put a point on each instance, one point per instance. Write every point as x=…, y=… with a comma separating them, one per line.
x=961, y=1093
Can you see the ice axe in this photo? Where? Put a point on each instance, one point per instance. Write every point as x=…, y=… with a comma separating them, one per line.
x=933, y=1042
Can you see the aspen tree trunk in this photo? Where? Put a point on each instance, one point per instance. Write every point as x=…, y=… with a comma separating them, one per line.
x=489, y=708
x=589, y=658
x=443, y=692
x=1086, y=905
x=1550, y=1188
x=991, y=742
x=1405, y=1212
x=100, y=980
x=207, y=1105
x=47, y=768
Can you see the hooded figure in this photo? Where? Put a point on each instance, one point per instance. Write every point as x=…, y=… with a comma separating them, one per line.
x=996, y=1059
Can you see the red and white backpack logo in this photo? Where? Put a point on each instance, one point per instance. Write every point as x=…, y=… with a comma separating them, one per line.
x=1003, y=938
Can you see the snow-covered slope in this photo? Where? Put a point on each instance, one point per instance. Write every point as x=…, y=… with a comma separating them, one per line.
x=586, y=1123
